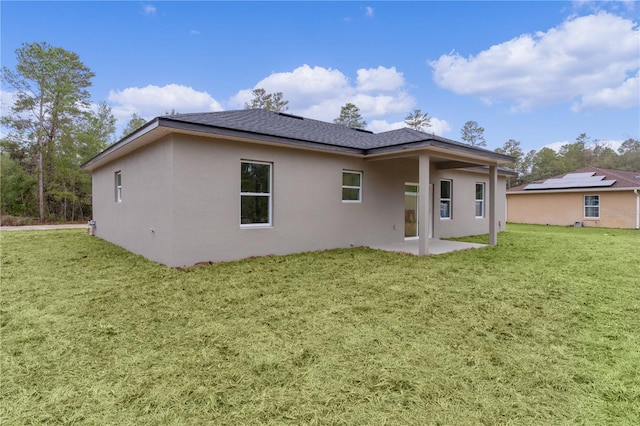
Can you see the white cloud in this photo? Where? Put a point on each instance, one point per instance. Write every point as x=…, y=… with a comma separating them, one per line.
x=194, y=32
x=152, y=101
x=620, y=6
x=381, y=78
x=626, y=95
x=148, y=9
x=303, y=86
x=318, y=92
x=379, y=126
x=590, y=58
x=438, y=127
x=368, y=11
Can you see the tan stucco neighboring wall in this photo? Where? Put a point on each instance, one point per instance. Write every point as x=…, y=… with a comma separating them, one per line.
x=187, y=189
x=617, y=208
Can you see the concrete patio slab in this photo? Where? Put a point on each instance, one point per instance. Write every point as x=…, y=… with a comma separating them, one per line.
x=436, y=246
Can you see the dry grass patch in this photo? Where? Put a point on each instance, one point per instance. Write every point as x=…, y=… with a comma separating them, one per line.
x=542, y=329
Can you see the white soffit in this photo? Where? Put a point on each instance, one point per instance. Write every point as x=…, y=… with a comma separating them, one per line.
x=572, y=180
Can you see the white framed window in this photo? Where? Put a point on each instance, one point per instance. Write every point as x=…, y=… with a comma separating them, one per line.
x=351, y=186
x=118, y=186
x=446, y=198
x=480, y=200
x=255, y=194
x=591, y=206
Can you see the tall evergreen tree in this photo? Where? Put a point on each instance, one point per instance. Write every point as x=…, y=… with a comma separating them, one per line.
x=51, y=90
x=269, y=101
x=629, y=155
x=546, y=163
x=48, y=123
x=135, y=122
x=520, y=166
x=576, y=155
x=417, y=120
x=473, y=134
x=350, y=117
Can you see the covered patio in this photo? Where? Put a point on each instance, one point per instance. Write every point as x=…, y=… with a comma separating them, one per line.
x=431, y=159
x=436, y=246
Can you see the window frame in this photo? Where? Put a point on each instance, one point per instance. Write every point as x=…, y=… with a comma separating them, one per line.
x=117, y=175
x=591, y=206
x=448, y=200
x=480, y=200
x=358, y=187
x=268, y=195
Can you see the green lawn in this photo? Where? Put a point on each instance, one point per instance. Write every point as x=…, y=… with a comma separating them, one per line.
x=543, y=330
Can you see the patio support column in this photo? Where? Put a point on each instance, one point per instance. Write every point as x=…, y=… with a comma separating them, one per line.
x=493, y=185
x=423, y=204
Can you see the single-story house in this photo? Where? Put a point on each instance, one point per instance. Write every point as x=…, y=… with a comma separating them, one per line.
x=220, y=186
x=590, y=196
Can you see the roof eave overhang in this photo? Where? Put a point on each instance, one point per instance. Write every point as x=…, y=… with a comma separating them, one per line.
x=256, y=137
x=480, y=155
x=162, y=126
x=144, y=135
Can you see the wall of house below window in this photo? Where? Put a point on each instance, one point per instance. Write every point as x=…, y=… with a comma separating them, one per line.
x=181, y=201
x=463, y=200
x=141, y=221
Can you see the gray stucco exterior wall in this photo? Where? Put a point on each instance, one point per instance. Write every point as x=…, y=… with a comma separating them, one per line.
x=181, y=201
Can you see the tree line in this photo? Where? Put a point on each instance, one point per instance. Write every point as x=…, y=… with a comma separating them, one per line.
x=584, y=152
x=52, y=129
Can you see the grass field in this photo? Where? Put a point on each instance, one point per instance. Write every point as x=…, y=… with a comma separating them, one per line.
x=543, y=329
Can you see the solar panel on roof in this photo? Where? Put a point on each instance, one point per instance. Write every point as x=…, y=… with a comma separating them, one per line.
x=572, y=180
x=578, y=175
x=567, y=185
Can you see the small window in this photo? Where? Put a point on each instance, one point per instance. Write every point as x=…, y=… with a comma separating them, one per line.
x=592, y=206
x=351, y=187
x=255, y=194
x=445, y=199
x=118, y=180
x=479, y=200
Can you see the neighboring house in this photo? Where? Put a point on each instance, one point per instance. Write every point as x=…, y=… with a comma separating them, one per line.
x=220, y=186
x=590, y=196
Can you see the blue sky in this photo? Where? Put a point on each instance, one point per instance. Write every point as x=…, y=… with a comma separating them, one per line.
x=538, y=72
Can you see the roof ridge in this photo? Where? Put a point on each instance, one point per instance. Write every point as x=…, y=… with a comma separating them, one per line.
x=282, y=124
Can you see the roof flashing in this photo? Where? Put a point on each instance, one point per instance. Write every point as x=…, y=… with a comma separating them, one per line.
x=285, y=114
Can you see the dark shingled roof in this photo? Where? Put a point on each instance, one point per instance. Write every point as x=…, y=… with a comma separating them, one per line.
x=284, y=125
x=269, y=126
